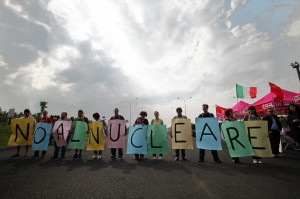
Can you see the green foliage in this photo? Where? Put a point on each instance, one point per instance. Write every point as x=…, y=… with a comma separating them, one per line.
x=4, y=134
x=43, y=105
x=3, y=116
x=282, y=119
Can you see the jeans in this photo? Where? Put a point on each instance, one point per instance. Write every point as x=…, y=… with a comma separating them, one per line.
x=114, y=150
x=56, y=150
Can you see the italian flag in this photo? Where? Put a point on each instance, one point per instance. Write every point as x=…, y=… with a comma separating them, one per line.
x=245, y=92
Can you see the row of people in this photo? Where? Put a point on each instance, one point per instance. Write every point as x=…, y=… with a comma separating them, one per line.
x=274, y=127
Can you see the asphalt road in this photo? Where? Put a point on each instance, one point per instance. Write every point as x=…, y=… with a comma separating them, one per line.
x=86, y=178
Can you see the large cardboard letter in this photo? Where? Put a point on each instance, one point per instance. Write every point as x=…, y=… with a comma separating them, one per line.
x=258, y=136
x=116, y=133
x=79, y=137
x=22, y=130
x=60, y=132
x=96, y=139
x=157, y=139
x=182, y=134
x=137, y=143
x=236, y=139
x=41, y=136
x=208, y=134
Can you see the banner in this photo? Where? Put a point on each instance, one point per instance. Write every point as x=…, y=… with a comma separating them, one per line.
x=22, y=130
x=208, y=134
x=41, y=136
x=136, y=142
x=78, y=139
x=60, y=132
x=116, y=134
x=181, y=134
x=258, y=136
x=157, y=139
x=96, y=138
x=236, y=139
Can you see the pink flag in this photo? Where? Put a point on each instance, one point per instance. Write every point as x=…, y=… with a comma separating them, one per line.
x=116, y=133
x=60, y=132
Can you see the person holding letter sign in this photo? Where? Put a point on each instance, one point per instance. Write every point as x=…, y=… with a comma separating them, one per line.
x=293, y=120
x=156, y=120
x=177, y=151
x=252, y=115
x=114, y=150
x=231, y=118
x=141, y=120
x=82, y=118
x=98, y=154
x=43, y=119
x=63, y=117
x=26, y=115
x=202, y=151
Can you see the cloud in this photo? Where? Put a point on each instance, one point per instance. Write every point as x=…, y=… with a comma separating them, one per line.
x=98, y=55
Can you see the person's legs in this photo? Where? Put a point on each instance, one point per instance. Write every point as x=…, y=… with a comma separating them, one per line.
x=120, y=153
x=183, y=154
x=56, y=150
x=215, y=156
x=201, y=155
x=18, y=152
x=113, y=153
x=63, y=151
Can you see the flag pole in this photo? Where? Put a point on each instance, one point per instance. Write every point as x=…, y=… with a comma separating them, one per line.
x=237, y=101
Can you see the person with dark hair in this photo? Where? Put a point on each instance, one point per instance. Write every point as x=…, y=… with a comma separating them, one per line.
x=114, y=150
x=63, y=117
x=26, y=115
x=293, y=120
x=143, y=121
x=43, y=119
x=158, y=121
x=202, y=151
x=82, y=118
x=177, y=151
x=274, y=128
x=98, y=154
x=231, y=118
x=252, y=115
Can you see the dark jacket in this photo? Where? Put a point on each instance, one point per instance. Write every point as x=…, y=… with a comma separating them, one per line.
x=270, y=121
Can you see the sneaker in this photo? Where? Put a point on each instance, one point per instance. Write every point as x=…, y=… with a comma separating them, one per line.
x=154, y=157
x=75, y=156
x=112, y=157
x=260, y=162
x=94, y=157
x=99, y=157
x=255, y=161
x=160, y=157
x=15, y=156
x=176, y=158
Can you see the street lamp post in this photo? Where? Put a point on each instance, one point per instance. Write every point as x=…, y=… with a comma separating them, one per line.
x=184, y=99
x=296, y=65
x=130, y=111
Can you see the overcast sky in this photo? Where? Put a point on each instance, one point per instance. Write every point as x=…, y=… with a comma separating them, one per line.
x=97, y=55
